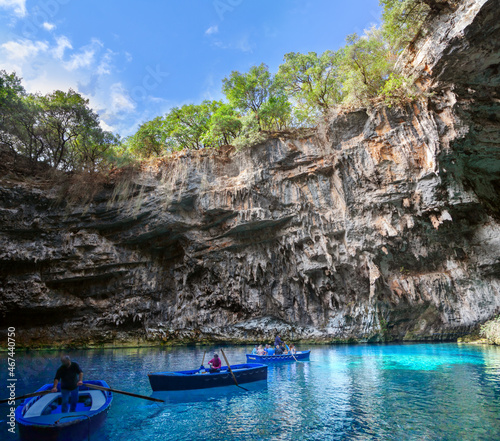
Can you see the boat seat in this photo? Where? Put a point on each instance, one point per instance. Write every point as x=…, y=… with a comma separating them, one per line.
x=98, y=398
x=36, y=409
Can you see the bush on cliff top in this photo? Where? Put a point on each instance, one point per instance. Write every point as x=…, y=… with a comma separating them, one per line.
x=491, y=330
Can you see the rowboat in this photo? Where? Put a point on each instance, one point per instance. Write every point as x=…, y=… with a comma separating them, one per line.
x=196, y=379
x=299, y=355
x=39, y=418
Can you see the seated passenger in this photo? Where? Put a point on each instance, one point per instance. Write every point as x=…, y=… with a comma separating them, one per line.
x=270, y=351
x=215, y=364
x=255, y=350
x=267, y=349
x=292, y=349
x=278, y=350
x=261, y=351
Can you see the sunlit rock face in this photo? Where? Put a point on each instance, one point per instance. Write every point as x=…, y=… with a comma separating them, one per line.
x=384, y=224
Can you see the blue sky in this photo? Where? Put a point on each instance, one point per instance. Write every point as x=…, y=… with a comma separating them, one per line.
x=135, y=60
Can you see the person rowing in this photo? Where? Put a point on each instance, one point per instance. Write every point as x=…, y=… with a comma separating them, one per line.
x=215, y=364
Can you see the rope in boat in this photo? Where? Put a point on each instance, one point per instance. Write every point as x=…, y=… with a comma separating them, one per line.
x=72, y=416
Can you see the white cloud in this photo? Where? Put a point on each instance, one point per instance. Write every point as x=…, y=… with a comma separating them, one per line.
x=212, y=30
x=83, y=59
x=63, y=43
x=48, y=26
x=22, y=49
x=106, y=126
x=120, y=100
x=18, y=6
x=104, y=67
x=243, y=44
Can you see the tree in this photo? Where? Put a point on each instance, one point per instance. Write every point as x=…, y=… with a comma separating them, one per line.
x=402, y=20
x=275, y=112
x=64, y=122
x=248, y=91
x=186, y=126
x=313, y=81
x=224, y=126
x=366, y=65
x=149, y=140
x=259, y=92
x=94, y=149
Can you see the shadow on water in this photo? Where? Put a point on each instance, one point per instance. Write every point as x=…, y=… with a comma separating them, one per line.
x=211, y=396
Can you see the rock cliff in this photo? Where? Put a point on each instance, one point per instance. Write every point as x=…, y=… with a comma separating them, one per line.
x=382, y=225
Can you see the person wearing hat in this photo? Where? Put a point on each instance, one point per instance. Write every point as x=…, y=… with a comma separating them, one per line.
x=215, y=364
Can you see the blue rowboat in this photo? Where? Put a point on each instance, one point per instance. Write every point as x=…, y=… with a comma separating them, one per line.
x=187, y=380
x=40, y=418
x=299, y=355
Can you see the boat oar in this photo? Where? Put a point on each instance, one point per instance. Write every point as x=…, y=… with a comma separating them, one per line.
x=22, y=397
x=232, y=373
x=107, y=389
x=291, y=353
x=202, y=361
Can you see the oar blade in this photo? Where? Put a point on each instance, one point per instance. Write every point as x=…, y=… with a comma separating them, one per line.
x=232, y=373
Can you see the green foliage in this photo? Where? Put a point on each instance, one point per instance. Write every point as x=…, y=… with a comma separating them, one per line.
x=186, y=126
x=58, y=128
x=10, y=90
x=248, y=91
x=313, y=81
x=259, y=92
x=491, y=330
x=275, y=112
x=149, y=140
x=366, y=65
x=398, y=90
x=224, y=126
x=250, y=134
x=402, y=20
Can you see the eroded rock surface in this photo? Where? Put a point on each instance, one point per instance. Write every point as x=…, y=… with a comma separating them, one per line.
x=384, y=225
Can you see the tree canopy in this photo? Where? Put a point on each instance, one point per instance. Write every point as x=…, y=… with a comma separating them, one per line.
x=62, y=130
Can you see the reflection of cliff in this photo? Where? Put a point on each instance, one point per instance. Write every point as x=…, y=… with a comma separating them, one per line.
x=384, y=225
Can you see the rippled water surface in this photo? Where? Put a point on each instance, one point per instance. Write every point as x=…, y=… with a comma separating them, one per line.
x=386, y=392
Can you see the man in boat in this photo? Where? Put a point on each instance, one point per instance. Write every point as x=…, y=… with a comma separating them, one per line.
x=215, y=364
x=278, y=341
x=255, y=350
x=71, y=376
x=278, y=350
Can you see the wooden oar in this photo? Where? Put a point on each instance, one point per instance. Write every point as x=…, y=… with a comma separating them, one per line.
x=291, y=352
x=107, y=389
x=232, y=373
x=202, y=361
x=22, y=397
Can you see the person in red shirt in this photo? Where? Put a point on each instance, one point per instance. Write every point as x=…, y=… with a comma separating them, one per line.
x=215, y=364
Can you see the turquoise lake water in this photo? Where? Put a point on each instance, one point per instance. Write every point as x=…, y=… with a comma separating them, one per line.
x=360, y=392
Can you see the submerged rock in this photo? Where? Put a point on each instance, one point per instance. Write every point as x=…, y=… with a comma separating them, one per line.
x=382, y=225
